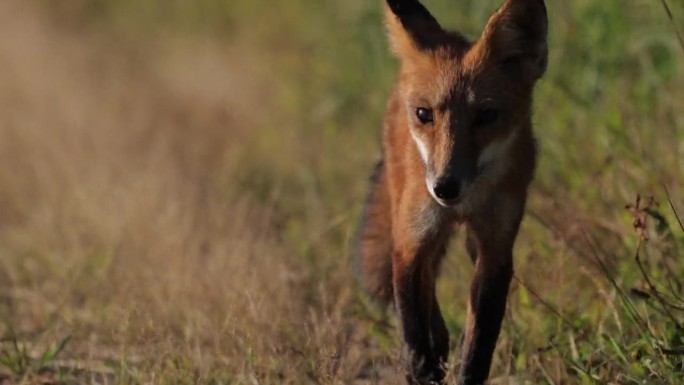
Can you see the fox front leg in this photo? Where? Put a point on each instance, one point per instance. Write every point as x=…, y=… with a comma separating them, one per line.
x=491, y=241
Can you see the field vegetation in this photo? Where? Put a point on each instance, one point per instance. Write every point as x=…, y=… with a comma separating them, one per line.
x=180, y=183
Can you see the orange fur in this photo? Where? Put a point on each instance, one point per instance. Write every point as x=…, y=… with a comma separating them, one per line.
x=458, y=148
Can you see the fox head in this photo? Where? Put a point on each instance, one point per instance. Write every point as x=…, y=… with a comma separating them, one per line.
x=467, y=102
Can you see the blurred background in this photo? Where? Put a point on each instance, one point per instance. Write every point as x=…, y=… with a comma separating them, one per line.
x=180, y=183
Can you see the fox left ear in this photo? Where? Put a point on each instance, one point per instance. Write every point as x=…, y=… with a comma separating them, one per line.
x=517, y=36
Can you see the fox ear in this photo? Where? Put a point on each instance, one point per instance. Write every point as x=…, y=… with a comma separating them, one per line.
x=516, y=35
x=411, y=28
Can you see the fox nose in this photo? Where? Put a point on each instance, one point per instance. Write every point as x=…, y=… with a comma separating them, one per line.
x=447, y=189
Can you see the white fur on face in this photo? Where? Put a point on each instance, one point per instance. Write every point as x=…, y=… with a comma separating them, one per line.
x=425, y=154
x=429, y=182
x=494, y=163
x=422, y=147
x=496, y=150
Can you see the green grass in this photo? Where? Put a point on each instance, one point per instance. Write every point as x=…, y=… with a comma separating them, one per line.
x=181, y=181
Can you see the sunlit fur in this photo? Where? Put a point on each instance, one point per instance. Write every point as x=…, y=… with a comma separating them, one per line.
x=490, y=163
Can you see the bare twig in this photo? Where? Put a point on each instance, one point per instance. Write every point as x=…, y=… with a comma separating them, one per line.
x=545, y=303
x=665, y=305
x=645, y=295
x=582, y=335
x=672, y=352
x=674, y=210
x=640, y=225
x=674, y=25
x=606, y=272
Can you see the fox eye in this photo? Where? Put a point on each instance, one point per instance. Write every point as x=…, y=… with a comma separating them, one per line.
x=487, y=116
x=424, y=115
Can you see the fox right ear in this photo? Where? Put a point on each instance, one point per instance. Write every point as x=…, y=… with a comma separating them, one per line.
x=411, y=27
x=517, y=34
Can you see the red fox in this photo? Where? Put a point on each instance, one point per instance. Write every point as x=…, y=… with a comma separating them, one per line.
x=458, y=149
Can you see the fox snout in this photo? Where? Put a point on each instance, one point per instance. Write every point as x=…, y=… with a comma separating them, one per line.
x=449, y=188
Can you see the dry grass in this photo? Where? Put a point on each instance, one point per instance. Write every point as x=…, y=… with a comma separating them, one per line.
x=121, y=222
x=177, y=206
x=124, y=218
